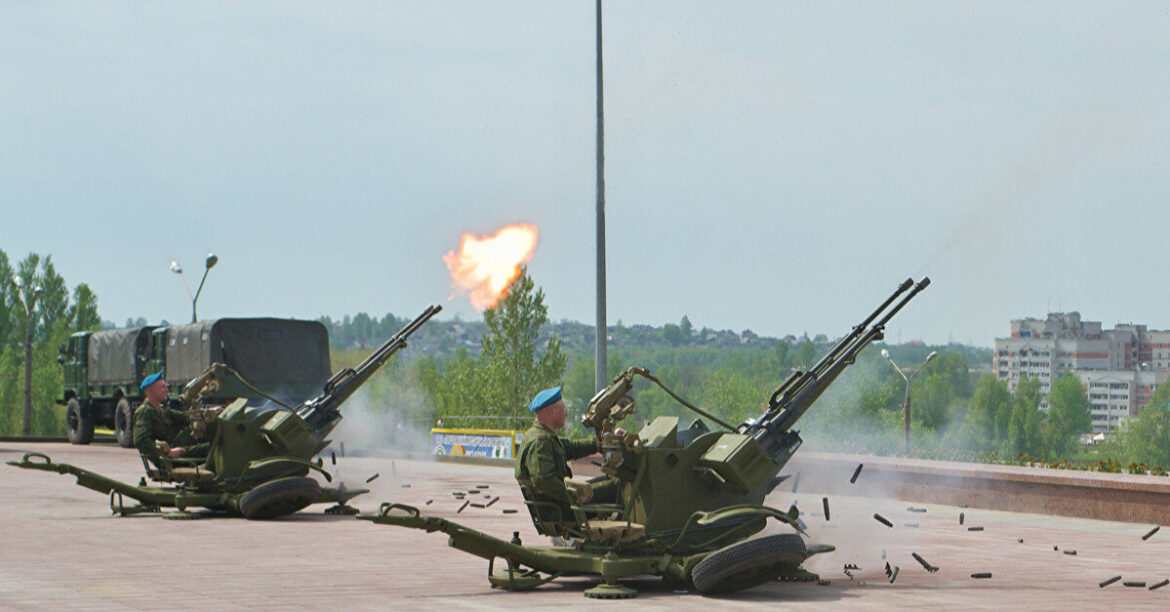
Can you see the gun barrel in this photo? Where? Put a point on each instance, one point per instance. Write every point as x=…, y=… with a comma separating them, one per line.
x=922, y=284
x=860, y=327
x=793, y=398
x=321, y=411
x=795, y=383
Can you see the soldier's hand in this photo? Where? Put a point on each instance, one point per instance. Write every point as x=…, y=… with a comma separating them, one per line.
x=176, y=452
x=619, y=432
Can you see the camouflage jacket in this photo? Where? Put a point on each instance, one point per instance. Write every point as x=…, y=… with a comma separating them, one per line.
x=543, y=462
x=166, y=424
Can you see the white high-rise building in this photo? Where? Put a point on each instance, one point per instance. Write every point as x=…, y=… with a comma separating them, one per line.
x=1119, y=367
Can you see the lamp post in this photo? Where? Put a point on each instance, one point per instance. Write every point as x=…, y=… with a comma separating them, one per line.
x=177, y=268
x=209, y=264
x=29, y=302
x=906, y=401
x=599, y=349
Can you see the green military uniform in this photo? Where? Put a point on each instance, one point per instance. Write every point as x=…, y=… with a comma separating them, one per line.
x=168, y=425
x=542, y=465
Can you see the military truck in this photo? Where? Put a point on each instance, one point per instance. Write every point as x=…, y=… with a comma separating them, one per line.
x=286, y=358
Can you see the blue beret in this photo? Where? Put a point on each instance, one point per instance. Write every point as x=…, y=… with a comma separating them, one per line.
x=544, y=399
x=150, y=380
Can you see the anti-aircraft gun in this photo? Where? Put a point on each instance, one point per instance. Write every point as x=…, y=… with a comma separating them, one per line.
x=260, y=457
x=690, y=498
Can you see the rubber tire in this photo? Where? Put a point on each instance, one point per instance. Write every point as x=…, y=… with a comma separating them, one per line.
x=744, y=565
x=124, y=423
x=78, y=423
x=280, y=497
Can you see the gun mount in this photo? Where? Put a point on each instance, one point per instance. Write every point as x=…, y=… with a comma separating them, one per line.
x=260, y=457
x=690, y=498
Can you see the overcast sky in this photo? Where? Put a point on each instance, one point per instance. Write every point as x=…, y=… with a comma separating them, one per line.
x=777, y=166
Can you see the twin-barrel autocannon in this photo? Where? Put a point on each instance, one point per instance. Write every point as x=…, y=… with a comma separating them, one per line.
x=259, y=459
x=691, y=497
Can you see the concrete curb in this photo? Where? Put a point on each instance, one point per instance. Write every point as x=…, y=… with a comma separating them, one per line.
x=1093, y=495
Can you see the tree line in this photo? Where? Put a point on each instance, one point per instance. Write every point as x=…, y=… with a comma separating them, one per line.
x=957, y=411
x=38, y=311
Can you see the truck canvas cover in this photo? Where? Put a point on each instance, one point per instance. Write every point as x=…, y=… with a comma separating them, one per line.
x=284, y=357
x=111, y=355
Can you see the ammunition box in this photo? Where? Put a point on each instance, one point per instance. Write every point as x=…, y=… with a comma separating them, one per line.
x=738, y=460
x=662, y=432
x=286, y=430
x=233, y=410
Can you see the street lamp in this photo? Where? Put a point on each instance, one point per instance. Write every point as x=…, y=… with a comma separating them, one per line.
x=908, y=379
x=599, y=350
x=29, y=302
x=177, y=268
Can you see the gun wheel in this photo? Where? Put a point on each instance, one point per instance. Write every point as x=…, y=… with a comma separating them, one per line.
x=78, y=422
x=124, y=423
x=279, y=497
x=610, y=591
x=747, y=564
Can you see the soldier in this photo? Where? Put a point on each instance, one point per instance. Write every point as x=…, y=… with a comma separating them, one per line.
x=542, y=464
x=154, y=422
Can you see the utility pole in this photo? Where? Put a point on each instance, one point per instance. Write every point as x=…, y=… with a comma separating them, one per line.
x=28, y=340
x=602, y=329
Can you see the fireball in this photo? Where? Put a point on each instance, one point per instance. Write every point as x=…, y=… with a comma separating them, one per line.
x=484, y=266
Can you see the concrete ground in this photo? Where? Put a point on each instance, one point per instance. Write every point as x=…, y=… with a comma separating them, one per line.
x=61, y=550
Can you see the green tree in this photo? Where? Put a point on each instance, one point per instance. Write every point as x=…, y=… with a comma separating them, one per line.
x=780, y=363
x=805, y=356
x=37, y=312
x=1024, y=435
x=1161, y=396
x=516, y=369
x=6, y=297
x=454, y=388
x=1068, y=415
x=579, y=381
x=932, y=401
x=83, y=312
x=672, y=334
x=1144, y=438
x=27, y=330
x=686, y=328
x=53, y=304
x=732, y=395
x=990, y=403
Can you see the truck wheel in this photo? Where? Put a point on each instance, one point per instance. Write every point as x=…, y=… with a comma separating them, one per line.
x=78, y=422
x=124, y=423
x=279, y=497
x=747, y=564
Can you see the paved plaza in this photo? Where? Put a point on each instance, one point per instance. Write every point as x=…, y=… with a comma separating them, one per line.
x=61, y=550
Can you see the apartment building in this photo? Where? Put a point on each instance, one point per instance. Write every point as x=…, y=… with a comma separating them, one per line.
x=1120, y=367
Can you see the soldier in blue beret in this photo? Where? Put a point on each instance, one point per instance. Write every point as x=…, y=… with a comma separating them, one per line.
x=155, y=423
x=542, y=464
